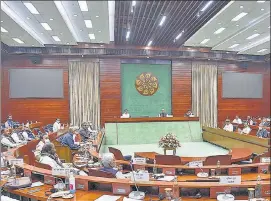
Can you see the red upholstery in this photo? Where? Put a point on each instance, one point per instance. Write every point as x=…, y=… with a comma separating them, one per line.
x=117, y=153
x=167, y=160
x=212, y=160
x=99, y=173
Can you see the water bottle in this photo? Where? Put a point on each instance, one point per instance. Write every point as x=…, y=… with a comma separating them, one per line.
x=175, y=188
x=218, y=170
x=72, y=183
x=67, y=185
x=258, y=188
x=154, y=167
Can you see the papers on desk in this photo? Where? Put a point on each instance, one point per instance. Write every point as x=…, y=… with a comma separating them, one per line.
x=129, y=199
x=166, y=178
x=108, y=198
x=38, y=183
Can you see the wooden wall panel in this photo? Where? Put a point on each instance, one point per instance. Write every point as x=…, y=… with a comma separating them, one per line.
x=244, y=106
x=181, y=87
x=44, y=110
x=110, y=89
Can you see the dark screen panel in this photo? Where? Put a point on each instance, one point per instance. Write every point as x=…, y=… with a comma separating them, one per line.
x=242, y=85
x=36, y=83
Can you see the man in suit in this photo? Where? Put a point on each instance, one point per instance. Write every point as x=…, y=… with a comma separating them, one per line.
x=68, y=139
x=262, y=132
x=85, y=133
x=9, y=123
x=163, y=113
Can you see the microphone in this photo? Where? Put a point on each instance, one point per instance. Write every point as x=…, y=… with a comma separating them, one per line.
x=202, y=173
x=137, y=195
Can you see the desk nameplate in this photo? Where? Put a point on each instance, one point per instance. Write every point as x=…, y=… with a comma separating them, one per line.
x=266, y=190
x=234, y=171
x=197, y=170
x=215, y=191
x=48, y=179
x=121, y=189
x=81, y=184
x=169, y=171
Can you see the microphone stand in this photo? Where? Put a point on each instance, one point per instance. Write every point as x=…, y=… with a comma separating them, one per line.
x=138, y=195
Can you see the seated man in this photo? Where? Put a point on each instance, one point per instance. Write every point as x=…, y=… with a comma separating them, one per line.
x=265, y=123
x=246, y=130
x=6, y=140
x=249, y=120
x=237, y=120
x=163, y=113
x=108, y=165
x=125, y=114
x=56, y=125
x=228, y=126
x=48, y=156
x=28, y=135
x=17, y=137
x=9, y=123
x=262, y=132
x=68, y=139
x=189, y=114
x=44, y=139
x=85, y=133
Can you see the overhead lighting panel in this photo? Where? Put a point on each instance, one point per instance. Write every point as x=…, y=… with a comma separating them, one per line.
x=3, y=30
x=204, y=41
x=253, y=36
x=180, y=34
x=46, y=26
x=233, y=46
x=239, y=16
x=31, y=8
x=162, y=20
x=133, y=3
x=149, y=44
x=219, y=30
x=56, y=38
x=18, y=40
x=260, y=1
x=83, y=5
x=127, y=35
x=206, y=6
x=88, y=23
x=262, y=50
x=91, y=36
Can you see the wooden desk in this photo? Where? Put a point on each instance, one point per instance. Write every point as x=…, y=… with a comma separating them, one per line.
x=151, y=119
x=231, y=140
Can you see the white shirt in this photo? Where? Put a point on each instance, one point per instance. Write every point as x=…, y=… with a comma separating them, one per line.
x=56, y=126
x=39, y=146
x=16, y=138
x=8, y=143
x=125, y=115
x=228, y=128
x=25, y=135
x=245, y=130
x=237, y=121
x=192, y=115
x=49, y=161
x=250, y=122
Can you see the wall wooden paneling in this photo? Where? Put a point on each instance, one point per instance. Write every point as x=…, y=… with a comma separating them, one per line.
x=44, y=110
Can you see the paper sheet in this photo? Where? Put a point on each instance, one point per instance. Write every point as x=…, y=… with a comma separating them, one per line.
x=129, y=199
x=166, y=178
x=108, y=198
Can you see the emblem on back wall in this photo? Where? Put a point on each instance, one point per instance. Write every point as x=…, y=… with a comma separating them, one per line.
x=146, y=84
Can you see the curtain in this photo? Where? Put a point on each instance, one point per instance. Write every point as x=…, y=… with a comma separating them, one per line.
x=204, y=93
x=84, y=92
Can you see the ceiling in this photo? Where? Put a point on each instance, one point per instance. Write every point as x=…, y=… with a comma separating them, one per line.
x=140, y=23
x=236, y=35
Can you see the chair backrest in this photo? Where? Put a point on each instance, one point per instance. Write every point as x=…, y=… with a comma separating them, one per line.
x=167, y=160
x=99, y=173
x=117, y=153
x=257, y=159
x=41, y=165
x=212, y=160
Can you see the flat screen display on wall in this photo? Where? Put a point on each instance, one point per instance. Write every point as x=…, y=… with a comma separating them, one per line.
x=242, y=85
x=36, y=83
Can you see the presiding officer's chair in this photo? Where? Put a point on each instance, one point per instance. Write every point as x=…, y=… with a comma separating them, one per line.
x=212, y=160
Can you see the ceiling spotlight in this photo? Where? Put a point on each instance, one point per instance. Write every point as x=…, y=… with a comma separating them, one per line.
x=233, y=46
x=75, y=15
x=51, y=19
x=2, y=21
x=162, y=21
x=32, y=45
x=133, y=3
x=239, y=16
x=262, y=9
x=269, y=27
x=149, y=44
x=97, y=15
x=206, y=6
x=127, y=35
x=237, y=25
x=68, y=43
x=241, y=6
x=28, y=18
x=99, y=31
x=83, y=5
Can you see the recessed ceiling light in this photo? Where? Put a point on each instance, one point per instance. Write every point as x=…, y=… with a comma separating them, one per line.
x=133, y=3
x=18, y=40
x=255, y=29
x=127, y=35
x=148, y=57
x=68, y=43
x=97, y=15
x=101, y=45
x=262, y=9
x=46, y=26
x=241, y=6
x=88, y=23
x=31, y=8
x=180, y=34
x=61, y=33
x=81, y=30
x=56, y=38
x=100, y=31
x=204, y=41
x=41, y=33
x=252, y=36
x=260, y=1
x=2, y=21
x=219, y=30
x=162, y=20
x=206, y=6
x=51, y=19
x=233, y=46
x=219, y=23
x=28, y=18
x=3, y=30
x=75, y=15
x=101, y=41
x=149, y=43
x=237, y=25
x=91, y=36
x=269, y=27
x=262, y=50
x=239, y=16
x=83, y=5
